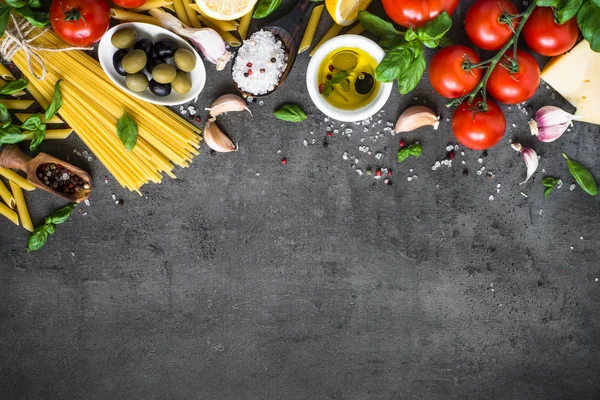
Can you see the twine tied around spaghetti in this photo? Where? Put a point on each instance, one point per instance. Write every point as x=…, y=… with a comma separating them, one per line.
x=16, y=39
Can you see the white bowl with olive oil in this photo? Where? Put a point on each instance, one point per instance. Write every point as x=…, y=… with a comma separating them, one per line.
x=341, y=78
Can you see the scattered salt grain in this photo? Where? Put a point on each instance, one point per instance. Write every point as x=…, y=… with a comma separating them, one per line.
x=480, y=160
x=345, y=156
x=572, y=187
x=409, y=179
x=491, y=197
x=114, y=197
x=378, y=156
x=359, y=171
x=580, y=237
x=87, y=202
x=305, y=142
x=449, y=148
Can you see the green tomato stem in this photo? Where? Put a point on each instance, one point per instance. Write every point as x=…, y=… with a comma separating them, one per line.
x=493, y=61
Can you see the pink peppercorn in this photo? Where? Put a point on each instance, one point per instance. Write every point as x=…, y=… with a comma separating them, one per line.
x=402, y=144
x=249, y=65
x=451, y=155
x=284, y=160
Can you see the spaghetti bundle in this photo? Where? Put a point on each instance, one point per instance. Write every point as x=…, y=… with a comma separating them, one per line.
x=92, y=105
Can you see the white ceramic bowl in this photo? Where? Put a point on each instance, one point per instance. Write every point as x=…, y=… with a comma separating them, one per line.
x=312, y=78
x=147, y=31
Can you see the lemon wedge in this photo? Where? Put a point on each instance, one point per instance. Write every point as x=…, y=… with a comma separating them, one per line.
x=225, y=10
x=345, y=12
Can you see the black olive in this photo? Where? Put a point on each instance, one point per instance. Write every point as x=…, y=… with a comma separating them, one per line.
x=165, y=48
x=364, y=83
x=118, y=62
x=153, y=62
x=145, y=45
x=160, y=89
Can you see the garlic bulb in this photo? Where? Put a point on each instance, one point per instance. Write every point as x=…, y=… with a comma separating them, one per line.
x=207, y=40
x=530, y=157
x=216, y=139
x=549, y=123
x=415, y=117
x=226, y=103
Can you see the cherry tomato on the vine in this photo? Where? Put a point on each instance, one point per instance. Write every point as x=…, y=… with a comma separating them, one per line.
x=483, y=24
x=476, y=129
x=413, y=13
x=80, y=22
x=547, y=37
x=514, y=87
x=447, y=72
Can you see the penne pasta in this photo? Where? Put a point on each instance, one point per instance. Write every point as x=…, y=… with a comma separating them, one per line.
x=228, y=26
x=169, y=7
x=311, y=28
x=7, y=196
x=333, y=31
x=181, y=13
x=16, y=178
x=9, y=214
x=226, y=36
x=23, y=116
x=53, y=134
x=150, y=4
x=6, y=74
x=21, y=206
x=192, y=15
x=356, y=29
x=244, y=25
x=16, y=104
x=129, y=16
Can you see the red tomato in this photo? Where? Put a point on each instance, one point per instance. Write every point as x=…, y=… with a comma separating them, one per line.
x=129, y=3
x=547, y=37
x=514, y=87
x=412, y=13
x=80, y=22
x=447, y=74
x=483, y=26
x=478, y=130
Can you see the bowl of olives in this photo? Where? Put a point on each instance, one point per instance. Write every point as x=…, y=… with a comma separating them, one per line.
x=152, y=63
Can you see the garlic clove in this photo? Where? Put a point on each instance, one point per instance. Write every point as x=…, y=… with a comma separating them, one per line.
x=216, y=139
x=549, y=123
x=415, y=117
x=227, y=103
x=529, y=156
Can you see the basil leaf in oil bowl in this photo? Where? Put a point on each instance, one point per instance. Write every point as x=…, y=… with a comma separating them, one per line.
x=583, y=177
x=290, y=112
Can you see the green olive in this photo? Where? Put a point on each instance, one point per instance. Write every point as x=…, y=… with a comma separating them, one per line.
x=124, y=38
x=185, y=60
x=164, y=73
x=137, y=82
x=134, y=61
x=182, y=82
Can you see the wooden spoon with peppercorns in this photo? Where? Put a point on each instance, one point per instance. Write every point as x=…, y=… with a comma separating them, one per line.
x=72, y=183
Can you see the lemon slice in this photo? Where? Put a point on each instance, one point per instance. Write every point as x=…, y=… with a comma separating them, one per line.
x=225, y=10
x=345, y=12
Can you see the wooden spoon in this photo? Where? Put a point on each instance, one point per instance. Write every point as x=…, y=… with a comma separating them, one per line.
x=289, y=29
x=12, y=157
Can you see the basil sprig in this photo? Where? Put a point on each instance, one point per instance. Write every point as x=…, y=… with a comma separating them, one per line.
x=414, y=150
x=587, y=13
x=127, y=130
x=290, y=112
x=583, y=177
x=25, y=9
x=405, y=58
x=40, y=235
x=549, y=182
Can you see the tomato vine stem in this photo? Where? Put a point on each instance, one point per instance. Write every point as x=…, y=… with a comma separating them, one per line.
x=492, y=62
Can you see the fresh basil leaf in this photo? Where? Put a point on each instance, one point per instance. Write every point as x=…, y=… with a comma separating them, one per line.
x=410, y=150
x=410, y=35
x=34, y=3
x=595, y=2
x=11, y=134
x=393, y=63
x=14, y=86
x=567, y=10
x=588, y=19
x=32, y=123
x=411, y=76
x=583, y=177
x=38, y=137
x=376, y=25
x=16, y=3
x=35, y=18
x=445, y=42
x=4, y=16
x=435, y=29
x=50, y=228
x=547, y=3
x=265, y=7
x=290, y=112
x=37, y=239
x=56, y=102
x=5, y=117
x=549, y=182
x=390, y=41
x=127, y=130
x=59, y=216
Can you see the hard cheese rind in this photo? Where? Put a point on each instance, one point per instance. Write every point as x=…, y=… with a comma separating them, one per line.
x=576, y=76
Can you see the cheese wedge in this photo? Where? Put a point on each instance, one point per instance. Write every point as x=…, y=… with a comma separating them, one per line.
x=576, y=76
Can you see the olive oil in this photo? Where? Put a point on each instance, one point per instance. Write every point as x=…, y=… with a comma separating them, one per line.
x=347, y=78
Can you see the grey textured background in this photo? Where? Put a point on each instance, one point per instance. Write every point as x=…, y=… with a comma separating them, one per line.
x=248, y=279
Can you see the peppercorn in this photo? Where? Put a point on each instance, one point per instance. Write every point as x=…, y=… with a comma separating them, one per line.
x=465, y=172
x=249, y=65
x=402, y=144
x=389, y=172
x=262, y=70
x=329, y=134
x=198, y=119
x=329, y=77
x=451, y=155
x=284, y=160
x=245, y=74
x=249, y=72
x=273, y=60
x=331, y=67
x=378, y=172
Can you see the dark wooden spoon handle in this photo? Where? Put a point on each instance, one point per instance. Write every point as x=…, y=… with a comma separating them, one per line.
x=12, y=157
x=296, y=20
